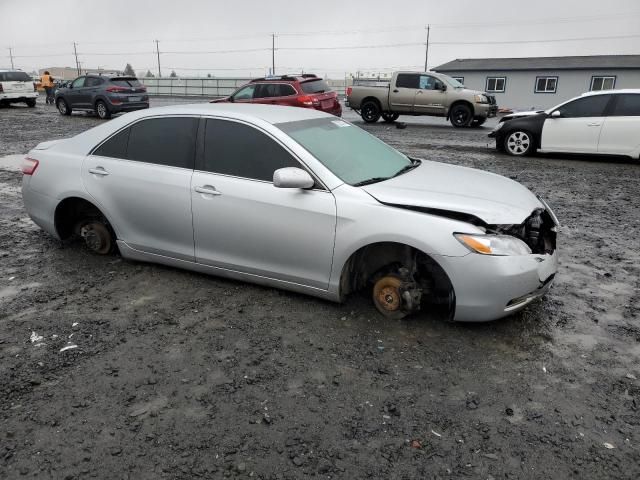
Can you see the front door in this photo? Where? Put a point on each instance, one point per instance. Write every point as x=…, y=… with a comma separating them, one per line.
x=74, y=94
x=430, y=97
x=243, y=223
x=141, y=177
x=577, y=128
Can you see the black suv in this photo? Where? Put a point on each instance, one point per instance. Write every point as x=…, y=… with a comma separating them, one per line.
x=102, y=94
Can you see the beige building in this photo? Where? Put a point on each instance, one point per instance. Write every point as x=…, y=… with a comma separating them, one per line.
x=69, y=73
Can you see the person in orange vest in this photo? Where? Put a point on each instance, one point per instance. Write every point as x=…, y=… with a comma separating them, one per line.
x=47, y=83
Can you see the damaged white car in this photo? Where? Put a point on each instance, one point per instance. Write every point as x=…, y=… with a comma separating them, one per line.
x=297, y=199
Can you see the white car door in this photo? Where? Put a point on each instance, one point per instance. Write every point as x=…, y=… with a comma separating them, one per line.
x=620, y=132
x=576, y=127
x=141, y=179
x=243, y=223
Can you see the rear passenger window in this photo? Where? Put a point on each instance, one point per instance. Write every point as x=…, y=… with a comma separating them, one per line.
x=627, y=105
x=164, y=141
x=115, y=147
x=408, y=80
x=285, y=90
x=239, y=150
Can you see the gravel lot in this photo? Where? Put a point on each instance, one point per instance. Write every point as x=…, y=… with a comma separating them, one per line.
x=178, y=375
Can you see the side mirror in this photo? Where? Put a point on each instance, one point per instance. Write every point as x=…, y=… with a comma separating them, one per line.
x=292, y=177
x=231, y=98
x=443, y=87
x=556, y=114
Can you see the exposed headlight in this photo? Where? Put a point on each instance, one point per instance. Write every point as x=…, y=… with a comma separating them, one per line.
x=481, y=99
x=493, y=244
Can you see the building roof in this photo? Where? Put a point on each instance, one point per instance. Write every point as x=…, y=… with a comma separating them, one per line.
x=594, y=62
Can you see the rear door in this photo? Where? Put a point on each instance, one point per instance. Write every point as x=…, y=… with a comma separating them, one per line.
x=18, y=83
x=142, y=178
x=577, y=130
x=402, y=95
x=621, y=130
x=243, y=223
x=430, y=98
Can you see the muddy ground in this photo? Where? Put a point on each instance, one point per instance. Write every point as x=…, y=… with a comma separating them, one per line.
x=180, y=376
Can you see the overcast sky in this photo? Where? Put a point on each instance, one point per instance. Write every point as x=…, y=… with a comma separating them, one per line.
x=112, y=33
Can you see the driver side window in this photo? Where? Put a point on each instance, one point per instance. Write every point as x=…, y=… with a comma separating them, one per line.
x=78, y=83
x=245, y=93
x=427, y=82
x=239, y=150
x=592, y=106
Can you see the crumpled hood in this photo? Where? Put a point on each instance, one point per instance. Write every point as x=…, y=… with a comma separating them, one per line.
x=492, y=198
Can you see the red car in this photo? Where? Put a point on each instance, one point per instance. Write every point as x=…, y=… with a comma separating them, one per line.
x=307, y=91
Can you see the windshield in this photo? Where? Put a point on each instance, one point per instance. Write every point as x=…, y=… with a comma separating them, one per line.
x=451, y=81
x=126, y=82
x=349, y=152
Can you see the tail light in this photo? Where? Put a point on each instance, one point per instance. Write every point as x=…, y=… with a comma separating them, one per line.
x=29, y=165
x=117, y=89
x=308, y=101
x=143, y=88
x=349, y=90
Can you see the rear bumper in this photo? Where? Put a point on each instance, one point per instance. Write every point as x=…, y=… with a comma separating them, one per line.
x=127, y=107
x=40, y=207
x=18, y=96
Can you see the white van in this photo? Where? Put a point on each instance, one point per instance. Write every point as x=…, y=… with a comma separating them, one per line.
x=17, y=87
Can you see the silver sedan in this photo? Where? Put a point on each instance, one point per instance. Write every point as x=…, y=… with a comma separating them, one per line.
x=296, y=199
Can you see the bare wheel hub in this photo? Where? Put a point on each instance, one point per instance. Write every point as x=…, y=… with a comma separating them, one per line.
x=97, y=237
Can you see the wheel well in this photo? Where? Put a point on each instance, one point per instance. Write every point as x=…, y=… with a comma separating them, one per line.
x=372, y=261
x=371, y=99
x=70, y=211
x=460, y=102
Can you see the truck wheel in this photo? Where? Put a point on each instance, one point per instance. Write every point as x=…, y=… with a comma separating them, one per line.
x=460, y=116
x=31, y=103
x=478, y=121
x=370, y=112
x=390, y=117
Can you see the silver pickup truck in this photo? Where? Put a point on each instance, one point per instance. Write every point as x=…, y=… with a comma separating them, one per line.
x=416, y=93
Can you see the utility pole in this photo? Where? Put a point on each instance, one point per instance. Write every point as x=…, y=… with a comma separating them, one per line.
x=158, y=52
x=426, y=55
x=75, y=52
x=11, y=56
x=273, y=54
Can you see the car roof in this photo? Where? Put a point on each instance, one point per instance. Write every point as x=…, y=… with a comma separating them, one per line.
x=272, y=114
x=303, y=77
x=609, y=92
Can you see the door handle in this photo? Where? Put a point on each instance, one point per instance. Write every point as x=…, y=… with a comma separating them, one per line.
x=207, y=190
x=99, y=171
x=396, y=91
x=419, y=92
x=594, y=124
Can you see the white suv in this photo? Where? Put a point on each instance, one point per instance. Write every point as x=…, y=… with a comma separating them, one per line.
x=17, y=87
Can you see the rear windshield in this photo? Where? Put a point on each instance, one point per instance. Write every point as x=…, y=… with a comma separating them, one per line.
x=14, y=77
x=315, y=86
x=126, y=82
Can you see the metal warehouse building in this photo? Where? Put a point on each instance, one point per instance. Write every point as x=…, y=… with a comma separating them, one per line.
x=542, y=82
